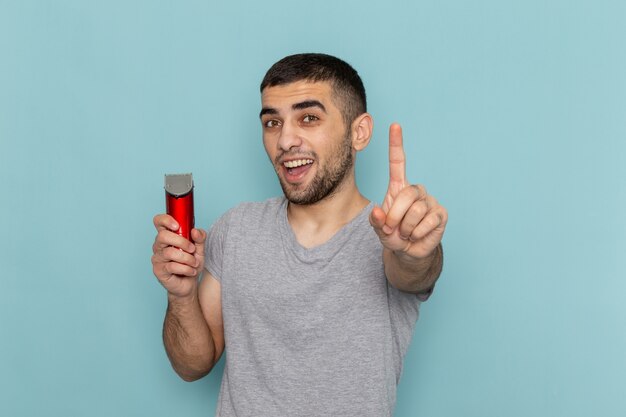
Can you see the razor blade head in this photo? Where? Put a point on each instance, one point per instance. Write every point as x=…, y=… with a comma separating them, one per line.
x=178, y=184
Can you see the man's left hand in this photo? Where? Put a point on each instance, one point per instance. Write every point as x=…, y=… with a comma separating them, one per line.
x=410, y=222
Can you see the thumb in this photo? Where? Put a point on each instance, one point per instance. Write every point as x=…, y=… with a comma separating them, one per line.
x=377, y=220
x=198, y=237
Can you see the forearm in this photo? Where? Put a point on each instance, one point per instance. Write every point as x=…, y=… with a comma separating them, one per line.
x=411, y=274
x=187, y=338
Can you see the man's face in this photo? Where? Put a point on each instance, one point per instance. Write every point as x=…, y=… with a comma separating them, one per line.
x=306, y=140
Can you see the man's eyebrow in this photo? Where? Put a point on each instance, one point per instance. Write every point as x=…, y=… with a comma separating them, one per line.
x=297, y=106
x=267, y=110
x=309, y=103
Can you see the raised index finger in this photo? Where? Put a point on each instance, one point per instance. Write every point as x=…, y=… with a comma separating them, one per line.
x=397, y=165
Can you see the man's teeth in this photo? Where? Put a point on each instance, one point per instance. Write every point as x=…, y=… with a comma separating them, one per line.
x=298, y=163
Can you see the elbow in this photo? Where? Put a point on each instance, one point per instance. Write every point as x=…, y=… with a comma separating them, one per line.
x=190, y=371
x=191, y=375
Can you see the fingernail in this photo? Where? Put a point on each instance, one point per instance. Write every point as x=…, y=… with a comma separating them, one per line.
x=387, y=229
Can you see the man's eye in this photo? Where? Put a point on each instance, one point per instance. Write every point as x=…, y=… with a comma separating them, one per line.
x=271, y=123
x=309, y=118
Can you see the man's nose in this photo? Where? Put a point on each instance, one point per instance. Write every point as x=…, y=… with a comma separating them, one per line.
x=289, y=137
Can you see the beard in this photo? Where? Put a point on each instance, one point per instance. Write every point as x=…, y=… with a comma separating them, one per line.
x=328, y=178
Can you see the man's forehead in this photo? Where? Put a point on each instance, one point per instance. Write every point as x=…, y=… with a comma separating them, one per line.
x=288, y=94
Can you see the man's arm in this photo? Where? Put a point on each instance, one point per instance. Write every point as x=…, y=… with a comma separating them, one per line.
x=193, y=329
x=193, y=332
x=413, y=275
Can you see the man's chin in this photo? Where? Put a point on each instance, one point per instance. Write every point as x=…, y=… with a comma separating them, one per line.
x=296, y=196
x=306, y=197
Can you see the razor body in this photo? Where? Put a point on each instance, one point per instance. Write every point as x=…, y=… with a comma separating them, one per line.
x=179, y=202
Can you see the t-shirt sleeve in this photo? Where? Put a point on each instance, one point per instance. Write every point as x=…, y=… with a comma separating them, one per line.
x=215, y=244
x=404, y=312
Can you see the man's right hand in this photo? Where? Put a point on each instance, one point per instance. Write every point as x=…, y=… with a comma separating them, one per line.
x=176, y=261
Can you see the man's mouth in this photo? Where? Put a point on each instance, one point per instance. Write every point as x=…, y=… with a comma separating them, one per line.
x=296, y=168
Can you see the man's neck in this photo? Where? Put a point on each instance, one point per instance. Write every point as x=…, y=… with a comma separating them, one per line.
x=315, y=224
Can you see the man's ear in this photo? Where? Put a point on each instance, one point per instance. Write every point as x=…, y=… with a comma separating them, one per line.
x=362, y=128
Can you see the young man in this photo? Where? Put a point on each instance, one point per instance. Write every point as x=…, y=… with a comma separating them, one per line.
x=313, y=295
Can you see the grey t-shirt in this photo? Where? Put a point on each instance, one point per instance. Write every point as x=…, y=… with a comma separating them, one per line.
x=308, y=332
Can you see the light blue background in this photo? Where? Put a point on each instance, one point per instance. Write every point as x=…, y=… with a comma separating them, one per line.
x=514, y=118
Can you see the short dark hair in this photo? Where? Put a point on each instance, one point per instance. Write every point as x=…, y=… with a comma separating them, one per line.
x=345, y=81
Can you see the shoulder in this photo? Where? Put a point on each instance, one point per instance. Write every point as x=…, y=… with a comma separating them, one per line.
x=256, y=209
x=251, y=213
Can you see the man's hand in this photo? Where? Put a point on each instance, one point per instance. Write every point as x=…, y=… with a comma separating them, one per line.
x=410, y=222
x=177, y=262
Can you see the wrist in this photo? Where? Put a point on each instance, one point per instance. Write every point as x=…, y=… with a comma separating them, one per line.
x=412, y=261
x=183, y=300
x=413, y=274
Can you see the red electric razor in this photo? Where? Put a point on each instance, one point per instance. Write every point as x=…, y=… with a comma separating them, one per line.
x=179, y=202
